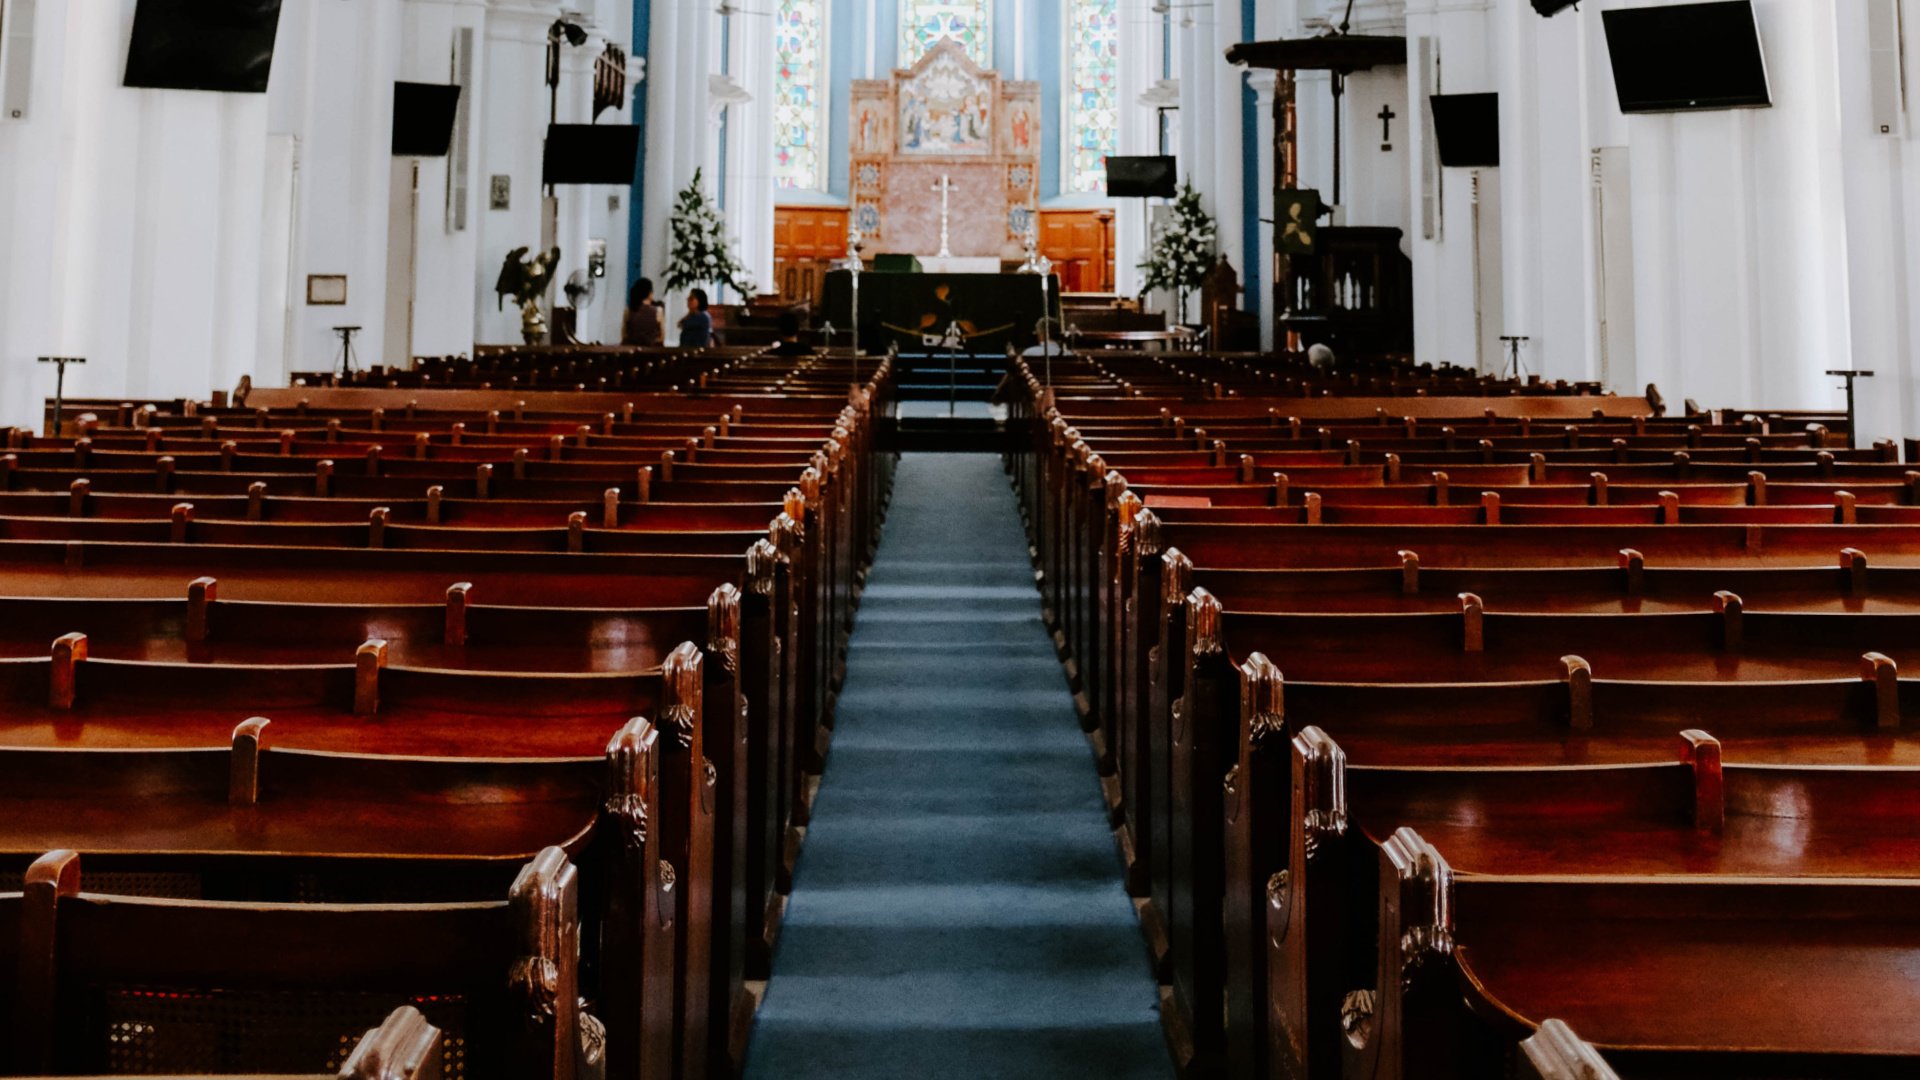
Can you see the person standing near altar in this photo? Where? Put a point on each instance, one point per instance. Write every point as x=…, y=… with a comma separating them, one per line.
x=642, y=326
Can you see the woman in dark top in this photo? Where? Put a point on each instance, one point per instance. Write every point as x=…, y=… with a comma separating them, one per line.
x=643, y=325
x=696, y=330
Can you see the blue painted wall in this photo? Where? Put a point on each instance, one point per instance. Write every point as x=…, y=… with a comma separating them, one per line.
x=1005, y=33
x=846, y=58
x=636, y=198
x=1046, y=55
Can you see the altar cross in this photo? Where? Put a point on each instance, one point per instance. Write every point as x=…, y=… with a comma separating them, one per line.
x=945, y=188
x=1386, y=115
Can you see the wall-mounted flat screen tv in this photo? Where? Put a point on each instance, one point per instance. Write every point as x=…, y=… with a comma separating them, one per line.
x=423, y=116
x=590, y=153
x=1140, y=177
x=219, y=45
x=1466, y=128
x=1687, y=56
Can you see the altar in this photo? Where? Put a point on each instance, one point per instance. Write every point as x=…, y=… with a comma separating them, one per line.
x=977, y=314
x=945, y=132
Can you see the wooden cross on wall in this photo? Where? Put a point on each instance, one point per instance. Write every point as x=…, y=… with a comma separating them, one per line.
x=1386, y=115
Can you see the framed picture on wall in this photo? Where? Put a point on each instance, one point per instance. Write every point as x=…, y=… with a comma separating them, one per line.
x=500, y=192
x=326, y=289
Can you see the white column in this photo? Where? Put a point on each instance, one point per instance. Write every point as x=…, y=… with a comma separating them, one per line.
x=1731, y=306
x=1224, y=86
x=1139, y=132
x=1448, y=312
x=1263, y=82
x=511, y=139
x=694, y=134
x=572, y=202
x=667, y=109
x=1882, y=186
x=750, y=183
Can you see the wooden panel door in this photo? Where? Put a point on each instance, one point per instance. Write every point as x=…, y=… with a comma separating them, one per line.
x=806, y=241
x=1080, y=243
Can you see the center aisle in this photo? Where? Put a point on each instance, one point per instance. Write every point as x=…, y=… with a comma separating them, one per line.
x=957, y=910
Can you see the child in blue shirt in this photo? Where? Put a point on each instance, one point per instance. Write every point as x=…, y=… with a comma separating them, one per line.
x=696, y=330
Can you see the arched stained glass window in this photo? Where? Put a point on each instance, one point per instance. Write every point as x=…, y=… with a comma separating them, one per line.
x=799, y=88
x=1094, y=44
x=923, y=23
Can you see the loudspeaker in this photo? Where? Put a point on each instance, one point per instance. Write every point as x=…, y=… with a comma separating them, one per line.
x=16, y=58
x=1552, y=7
x=459, y=158
x=1886, y=81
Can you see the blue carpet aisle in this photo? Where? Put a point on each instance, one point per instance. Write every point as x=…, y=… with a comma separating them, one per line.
x=958, y=910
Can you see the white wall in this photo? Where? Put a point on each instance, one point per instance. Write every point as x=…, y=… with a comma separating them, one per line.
x=167, y=235
x=128, y=224
x=1882, y=191
x=1764, y=246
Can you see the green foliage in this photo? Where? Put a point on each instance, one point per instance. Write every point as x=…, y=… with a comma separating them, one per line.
x=700, y=252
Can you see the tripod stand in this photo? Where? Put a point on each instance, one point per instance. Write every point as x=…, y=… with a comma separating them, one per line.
x=346, y=350
x=59, y=390
x=1515, y=368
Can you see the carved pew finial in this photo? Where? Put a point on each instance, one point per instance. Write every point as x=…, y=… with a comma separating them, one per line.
x=1701, y=751
x=1555, y=1053
x=1882, y=676
x=368, y=659
x=243, y=773
x=403, y=1047
x=1578, y=676
x=1853, y=564
x=69, y=651
x=546, y=977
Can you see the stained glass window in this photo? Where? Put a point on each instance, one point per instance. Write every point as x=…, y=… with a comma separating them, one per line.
x=1094, y=40
x=799, y=85
x=924, y=22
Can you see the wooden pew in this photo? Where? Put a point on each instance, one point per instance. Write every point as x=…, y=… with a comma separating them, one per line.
x=1642, y=966
x=1091, y=560
x=809, y=565
x=258, y=822
x=403, y=1047
x=1689, y=814
x=111, y=982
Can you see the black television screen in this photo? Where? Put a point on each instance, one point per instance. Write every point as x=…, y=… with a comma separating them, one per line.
x=423, y=118
x=1689, y=56
x=1467, y=129
x=1140, y=177
x=221, y=45
x=590, y=153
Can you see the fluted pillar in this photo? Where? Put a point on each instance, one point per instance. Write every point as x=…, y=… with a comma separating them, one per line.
x=667, y=111
x=1263, y=83
x=750, y=153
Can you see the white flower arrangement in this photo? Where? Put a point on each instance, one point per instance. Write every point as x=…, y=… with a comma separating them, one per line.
x=701, y=252
x=1183, y=249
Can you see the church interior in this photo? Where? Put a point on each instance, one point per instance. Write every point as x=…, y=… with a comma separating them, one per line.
x=1031, y=539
